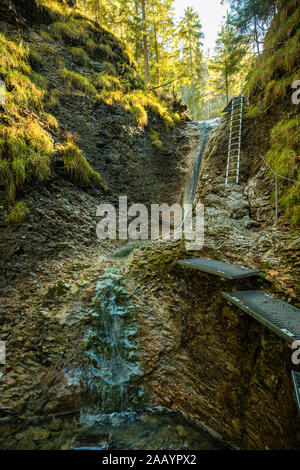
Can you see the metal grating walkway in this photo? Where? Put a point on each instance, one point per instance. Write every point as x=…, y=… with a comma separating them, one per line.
x=219, y=268
x=279, y=316
x=296, y=380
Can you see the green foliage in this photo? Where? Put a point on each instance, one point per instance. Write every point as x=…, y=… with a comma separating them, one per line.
x=53, y=98
x=252, y=17
x=137, y=103
x=105, y=50
x=19, y=213
x=225, y=67
x=283, y=156
x=79, y=55
x=50, y=121
x=254, y=111
x=109, y=68
x=77, y=166
x=104, y=81
x=156, y=142
x=35, y=57
x=78, y=82
x=26, y=151
x=71, y=31
x=278, y=66
x=91, y=47
x=190, y=58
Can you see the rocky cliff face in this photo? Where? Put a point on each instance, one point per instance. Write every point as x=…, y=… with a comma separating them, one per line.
x=208, y=358
x=61, y=216
x=201, y=355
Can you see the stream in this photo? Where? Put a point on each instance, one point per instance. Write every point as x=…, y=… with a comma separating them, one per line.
x=123, y=408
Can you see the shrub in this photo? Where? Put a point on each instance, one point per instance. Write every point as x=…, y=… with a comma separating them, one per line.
x=18, y=214
x=77, y=166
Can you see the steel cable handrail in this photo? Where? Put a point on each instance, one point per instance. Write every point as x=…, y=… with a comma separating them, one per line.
x=276, y=175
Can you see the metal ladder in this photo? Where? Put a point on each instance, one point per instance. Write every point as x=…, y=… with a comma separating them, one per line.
x=235, y=138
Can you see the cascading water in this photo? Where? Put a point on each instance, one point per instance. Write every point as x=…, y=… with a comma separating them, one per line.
x=112, y=349
x=203, y=128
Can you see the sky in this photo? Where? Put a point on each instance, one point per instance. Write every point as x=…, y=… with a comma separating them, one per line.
x=211, y=13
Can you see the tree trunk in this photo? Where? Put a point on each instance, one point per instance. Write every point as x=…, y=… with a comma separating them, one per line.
x=145, y=42
x=156, y=56
x=227, y=88
x=192, y=74
x=256, y=34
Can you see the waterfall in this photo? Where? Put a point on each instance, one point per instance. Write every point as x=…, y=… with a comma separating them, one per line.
x=204, y=129
x=114, y=365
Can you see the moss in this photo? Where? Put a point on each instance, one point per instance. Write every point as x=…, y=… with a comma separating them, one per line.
x=139, y=114
x=25, y=151
x=90, y=47
x=57, y=290
x=156, y=142
x=18, y=214
x=272, y=74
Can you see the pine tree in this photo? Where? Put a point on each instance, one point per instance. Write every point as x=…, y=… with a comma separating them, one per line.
x=190, y=60
x=225, y=66
x=252, y=17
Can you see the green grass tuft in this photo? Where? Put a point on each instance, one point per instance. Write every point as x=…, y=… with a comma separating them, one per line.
x=79, y=82
x=79, y=55
x=77, y=166
x=18, y=214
